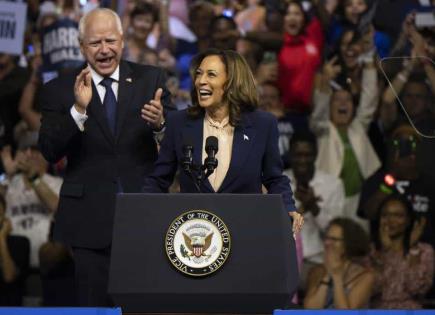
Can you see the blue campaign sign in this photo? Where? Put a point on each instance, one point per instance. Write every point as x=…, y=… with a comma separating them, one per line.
x=59, y=310
x=354, y=312
x=60, y=46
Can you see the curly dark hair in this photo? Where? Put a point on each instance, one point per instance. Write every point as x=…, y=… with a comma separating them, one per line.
x=355, y=239
x=240, y=91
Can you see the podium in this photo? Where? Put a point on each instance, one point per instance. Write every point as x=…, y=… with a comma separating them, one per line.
x=259, y=275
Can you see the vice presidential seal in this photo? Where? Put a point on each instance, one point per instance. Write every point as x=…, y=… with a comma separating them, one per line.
x=198, y=243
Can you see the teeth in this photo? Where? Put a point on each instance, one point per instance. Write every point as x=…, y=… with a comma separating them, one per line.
x=203, y=92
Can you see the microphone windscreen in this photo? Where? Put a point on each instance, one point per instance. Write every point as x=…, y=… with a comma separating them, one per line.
x=211, y=143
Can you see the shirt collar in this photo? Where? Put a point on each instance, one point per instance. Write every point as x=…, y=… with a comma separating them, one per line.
x=97, y=78
x=217, y=124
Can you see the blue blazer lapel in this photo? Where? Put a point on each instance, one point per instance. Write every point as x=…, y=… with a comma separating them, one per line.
x=98, y=112
x=125, y=94
x=194, y=129
x=244, y=138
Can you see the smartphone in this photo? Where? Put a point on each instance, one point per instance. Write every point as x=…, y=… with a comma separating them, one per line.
x=425, y=19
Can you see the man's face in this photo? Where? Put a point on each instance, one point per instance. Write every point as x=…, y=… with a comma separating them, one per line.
x=303, y=156
x=102, y=43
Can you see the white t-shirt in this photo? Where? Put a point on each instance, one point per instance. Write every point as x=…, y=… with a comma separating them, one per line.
x=29, y=217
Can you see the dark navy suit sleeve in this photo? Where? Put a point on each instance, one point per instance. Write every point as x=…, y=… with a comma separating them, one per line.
x=272, y=176
x=166, y=165
x=58, y=128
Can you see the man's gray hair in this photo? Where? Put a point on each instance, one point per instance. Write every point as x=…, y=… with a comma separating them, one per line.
x=84, y=19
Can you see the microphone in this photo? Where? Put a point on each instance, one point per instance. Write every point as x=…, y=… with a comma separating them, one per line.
x=187, y=160
x=211, y=148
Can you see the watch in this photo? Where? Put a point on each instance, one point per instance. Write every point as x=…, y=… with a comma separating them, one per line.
x=161, y=126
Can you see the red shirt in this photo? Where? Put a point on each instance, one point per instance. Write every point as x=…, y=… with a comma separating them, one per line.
x=298, y=61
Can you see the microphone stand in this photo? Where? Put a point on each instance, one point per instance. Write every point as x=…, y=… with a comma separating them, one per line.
x=198, y=173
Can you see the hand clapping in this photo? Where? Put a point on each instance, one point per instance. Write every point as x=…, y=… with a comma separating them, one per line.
x=83, y=90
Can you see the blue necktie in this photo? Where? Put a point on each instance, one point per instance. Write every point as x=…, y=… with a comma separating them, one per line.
x=109, y=103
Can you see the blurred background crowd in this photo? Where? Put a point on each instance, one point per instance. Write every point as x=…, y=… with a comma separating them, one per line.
x=351, y=83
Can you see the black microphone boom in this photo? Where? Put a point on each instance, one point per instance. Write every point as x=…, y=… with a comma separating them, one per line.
x=187, y=160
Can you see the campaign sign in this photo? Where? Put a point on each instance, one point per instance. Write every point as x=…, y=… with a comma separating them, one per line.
x=60, y=45
x=12, y=23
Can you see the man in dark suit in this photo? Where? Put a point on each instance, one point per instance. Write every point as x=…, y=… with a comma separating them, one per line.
x=103, y=119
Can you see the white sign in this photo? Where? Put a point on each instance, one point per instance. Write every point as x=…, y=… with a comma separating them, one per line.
x=12, y=24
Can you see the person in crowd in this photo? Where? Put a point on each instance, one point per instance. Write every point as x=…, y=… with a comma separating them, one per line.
x=344, y=148
x=401, y=176
x=271, y=37
x=288, y=124
x=103, y=117
x=200, y=14
x=354, y=53
x=404, y=265
x=141, y=41
x=225, y=105
x=142, y=19
x=12, y=81
x=319, y=197
x=32, y=194
x=299, y=58
x=350, y=16
x=224, y=33
x=252, y=17
x=342, y=281
x=27, y=106
x=416, y=97
x=14, y=261
x=180, y=98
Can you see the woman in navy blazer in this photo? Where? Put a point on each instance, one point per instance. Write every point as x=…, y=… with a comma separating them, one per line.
x=225, y=105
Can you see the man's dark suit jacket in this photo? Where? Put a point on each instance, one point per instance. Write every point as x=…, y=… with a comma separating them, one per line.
x=97, y=161
x=255, y=158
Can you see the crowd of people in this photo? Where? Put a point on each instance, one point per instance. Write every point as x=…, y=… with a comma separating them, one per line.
x=352, y=92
